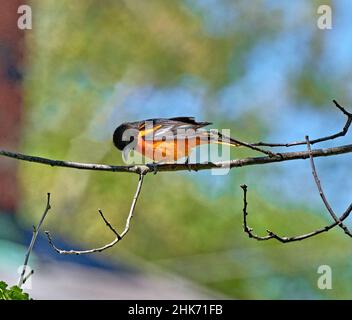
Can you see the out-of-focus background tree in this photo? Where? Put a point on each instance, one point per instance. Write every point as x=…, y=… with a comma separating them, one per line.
x=261, y=68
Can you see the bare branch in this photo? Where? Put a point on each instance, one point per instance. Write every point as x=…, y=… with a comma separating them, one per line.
x=272, y=235
x=321, y=192
x=144, y=169
x=342, y=133
x=118, y=236
x=24, y=278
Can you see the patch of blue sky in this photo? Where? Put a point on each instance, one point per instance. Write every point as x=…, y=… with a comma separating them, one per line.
x=268, y=65
x=293, y=182
x=337, y=59
x=217, y=16
x=293, y=12
x=297, y=121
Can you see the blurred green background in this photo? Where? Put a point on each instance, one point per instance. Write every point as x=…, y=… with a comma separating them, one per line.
x=261, y=68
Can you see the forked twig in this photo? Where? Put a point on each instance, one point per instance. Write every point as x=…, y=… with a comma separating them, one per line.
x=118, y=236
x=342, y=133
x=24, y=278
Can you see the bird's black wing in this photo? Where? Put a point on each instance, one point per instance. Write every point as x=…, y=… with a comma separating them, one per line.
x=191, y=120
x=181, y=127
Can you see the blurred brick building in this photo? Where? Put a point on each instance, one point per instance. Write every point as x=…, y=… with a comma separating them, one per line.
x=11, y=68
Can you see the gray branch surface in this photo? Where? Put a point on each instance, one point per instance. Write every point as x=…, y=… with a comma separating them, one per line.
x=144, y=169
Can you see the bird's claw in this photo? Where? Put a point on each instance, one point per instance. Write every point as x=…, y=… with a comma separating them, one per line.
x=188, y=165
x=153, y=166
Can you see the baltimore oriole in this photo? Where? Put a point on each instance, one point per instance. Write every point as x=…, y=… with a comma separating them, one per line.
x=165, y=140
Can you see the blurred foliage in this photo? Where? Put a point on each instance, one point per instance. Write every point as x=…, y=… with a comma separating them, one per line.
x=86, y=57
x=13, y=293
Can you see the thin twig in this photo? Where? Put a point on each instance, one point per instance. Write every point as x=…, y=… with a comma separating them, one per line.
x=36, y=229
x=342, y=133
x=272, y=235
x=321, y=192
x=118, y=236
x=246, y=228
x=245, y=144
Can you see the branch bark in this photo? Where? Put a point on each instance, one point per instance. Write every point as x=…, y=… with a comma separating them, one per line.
x=147, y=168
x=270, y=158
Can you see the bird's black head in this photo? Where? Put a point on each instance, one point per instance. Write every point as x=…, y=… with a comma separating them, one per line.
x=124, y=135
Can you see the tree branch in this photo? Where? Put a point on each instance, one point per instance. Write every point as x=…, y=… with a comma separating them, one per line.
x=118, y=237
x=144, y=169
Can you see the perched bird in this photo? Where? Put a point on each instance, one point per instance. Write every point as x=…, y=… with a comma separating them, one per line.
x=166, y=140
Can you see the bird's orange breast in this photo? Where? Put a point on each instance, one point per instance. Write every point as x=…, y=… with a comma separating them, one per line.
x=168, y=150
